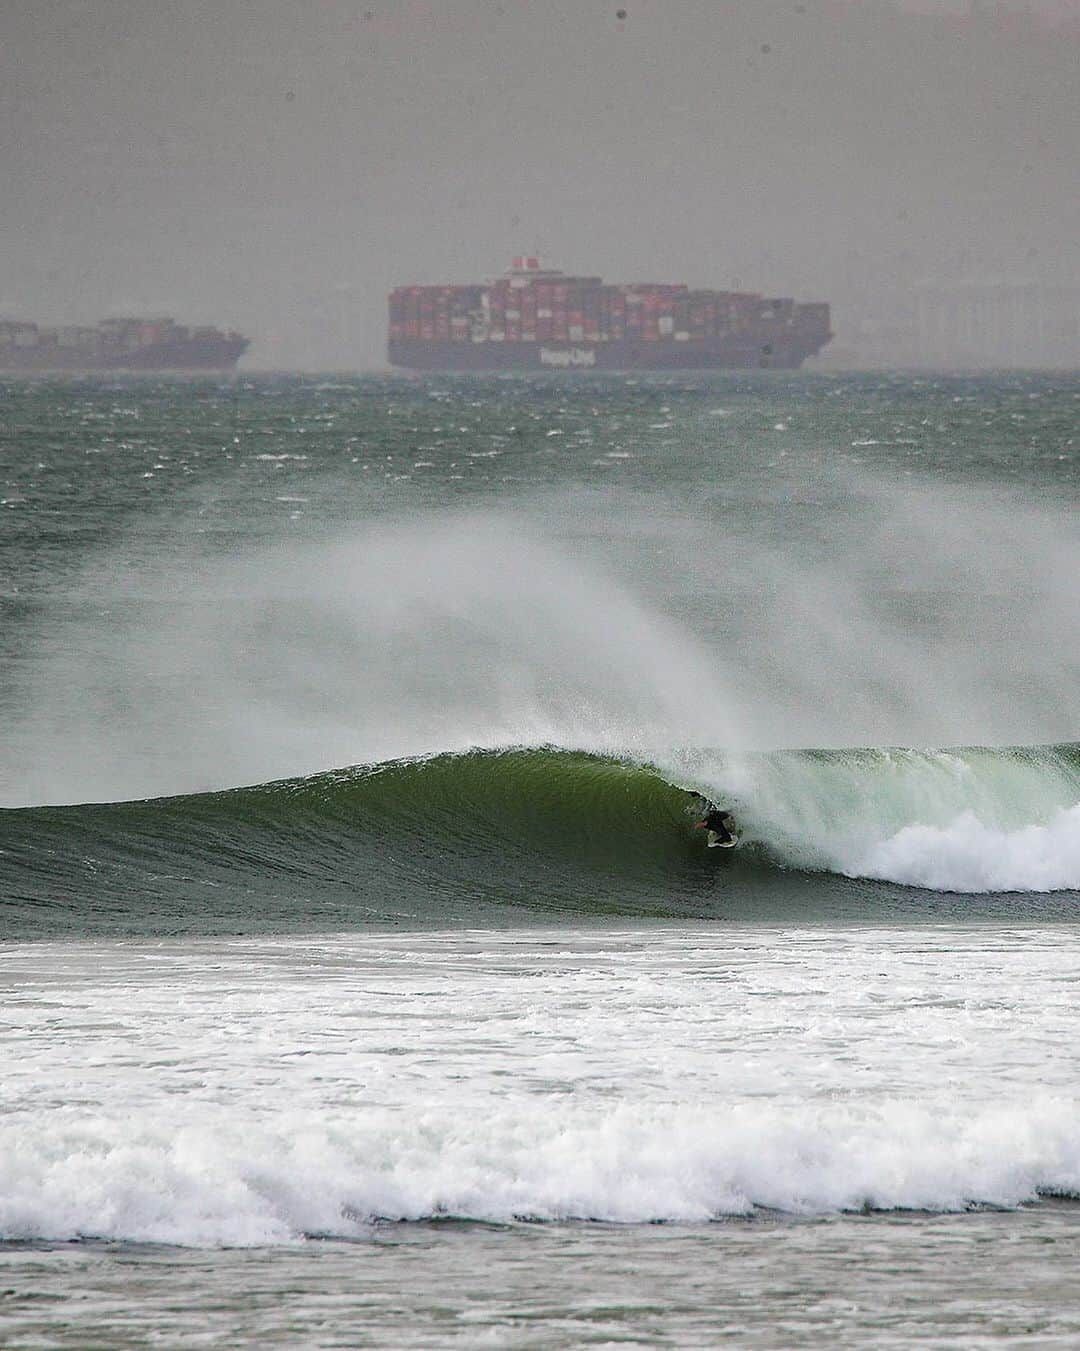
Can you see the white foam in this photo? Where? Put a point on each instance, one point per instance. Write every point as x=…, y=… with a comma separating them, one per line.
x=236, y=1182
x=969, y=856
x=253, y=1091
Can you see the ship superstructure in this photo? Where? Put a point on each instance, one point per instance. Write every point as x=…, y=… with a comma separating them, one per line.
x=537, y=318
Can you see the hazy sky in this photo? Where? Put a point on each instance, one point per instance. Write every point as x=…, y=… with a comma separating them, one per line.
x=278, y=164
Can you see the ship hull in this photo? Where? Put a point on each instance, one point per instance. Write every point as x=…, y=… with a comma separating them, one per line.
x=730, y=352
x=209, y=357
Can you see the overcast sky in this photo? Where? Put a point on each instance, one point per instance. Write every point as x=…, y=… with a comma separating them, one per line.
x=277, y=165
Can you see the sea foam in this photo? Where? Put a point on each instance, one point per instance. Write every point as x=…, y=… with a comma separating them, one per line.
x=224, y=1180
x=969, y=856
x=242, y=1091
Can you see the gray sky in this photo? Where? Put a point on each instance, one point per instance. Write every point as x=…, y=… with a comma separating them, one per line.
x=278, y=164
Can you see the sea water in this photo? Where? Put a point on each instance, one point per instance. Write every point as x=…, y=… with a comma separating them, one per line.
x=365, y=977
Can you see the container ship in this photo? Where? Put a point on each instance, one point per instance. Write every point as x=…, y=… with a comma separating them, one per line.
x=536, y=318
x=118, y=345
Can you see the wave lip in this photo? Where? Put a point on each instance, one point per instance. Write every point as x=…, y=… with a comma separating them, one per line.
x=242, y=1184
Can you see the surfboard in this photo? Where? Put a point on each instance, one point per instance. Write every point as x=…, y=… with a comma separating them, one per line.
x=715, y=843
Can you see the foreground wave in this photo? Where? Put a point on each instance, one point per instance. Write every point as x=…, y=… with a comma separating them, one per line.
x=220, y=1182
x=256, y=1090
x=452, y=836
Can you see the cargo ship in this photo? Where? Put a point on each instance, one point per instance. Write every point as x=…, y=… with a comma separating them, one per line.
x=130, y=344
x=537, y=318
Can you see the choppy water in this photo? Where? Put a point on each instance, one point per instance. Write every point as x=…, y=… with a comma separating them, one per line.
x=364, y=975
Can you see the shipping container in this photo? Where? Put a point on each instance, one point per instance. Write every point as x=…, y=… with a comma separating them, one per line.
x=580, y=321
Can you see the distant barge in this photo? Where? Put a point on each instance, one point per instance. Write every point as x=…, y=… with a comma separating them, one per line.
x=118, y=345
x=535, y=318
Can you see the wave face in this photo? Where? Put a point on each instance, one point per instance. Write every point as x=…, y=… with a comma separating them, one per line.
x=459, y=837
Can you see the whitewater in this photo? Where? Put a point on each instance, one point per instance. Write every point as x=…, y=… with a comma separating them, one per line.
x=365, y=977
x=318, y=1087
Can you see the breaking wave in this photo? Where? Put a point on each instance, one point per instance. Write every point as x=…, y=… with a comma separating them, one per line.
x=207, y=1181
x=974, y=820
x=549, y=829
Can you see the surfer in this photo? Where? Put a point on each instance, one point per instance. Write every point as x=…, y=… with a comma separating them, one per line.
x=719, y=822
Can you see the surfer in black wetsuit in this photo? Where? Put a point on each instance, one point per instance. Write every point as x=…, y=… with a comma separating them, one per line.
x=721, y=826
x=718, y=821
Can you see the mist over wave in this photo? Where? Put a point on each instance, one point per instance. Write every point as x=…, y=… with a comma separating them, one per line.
x=408, y=637
x=857, y=612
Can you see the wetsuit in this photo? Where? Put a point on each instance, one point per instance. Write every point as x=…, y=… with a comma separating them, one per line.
x=719, y=823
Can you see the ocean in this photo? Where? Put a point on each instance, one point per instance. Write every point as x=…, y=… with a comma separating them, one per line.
x=366, y=979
